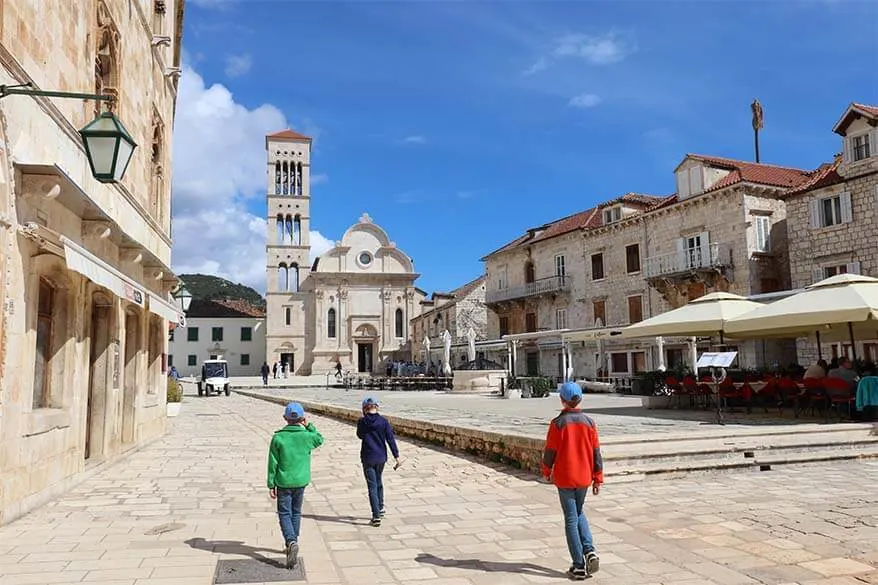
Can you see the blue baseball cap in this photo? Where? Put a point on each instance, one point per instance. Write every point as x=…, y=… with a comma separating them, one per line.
x=570, y=391
x=294, y=411
x=369, y=401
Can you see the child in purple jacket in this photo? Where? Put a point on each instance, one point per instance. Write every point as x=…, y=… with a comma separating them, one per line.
x=376, y=435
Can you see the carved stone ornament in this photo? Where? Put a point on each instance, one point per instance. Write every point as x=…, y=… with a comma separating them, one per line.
x=365, y=218
x=96, y=229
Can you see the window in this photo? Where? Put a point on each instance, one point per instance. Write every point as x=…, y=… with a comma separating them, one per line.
x=612, y=214
x=170, y=361
x=763, y=233
x=835, y=270
x=171, y=335
x=504, y=326
x=192, y=360
x=502, y=281
x=690, y=181
x=245, y=359
x=192, y=334
x=561, y=319
x=632, y=258
x=400, y=328
x=635, y=309
x=830, y=211
x=530, y=322
x=560, y=265
x=364, y=259
x=638, y=360
x=600, y=311
x=619, y=363
x=216, y=334
x=529, y=272
x=597, y=266
x=330, y=323
x=693, y=252
x=246, y=334
x=860, y=147
x=43, y=355
x=289, y=316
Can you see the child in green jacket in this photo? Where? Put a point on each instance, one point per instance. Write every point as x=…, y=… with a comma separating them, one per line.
x=289, y=471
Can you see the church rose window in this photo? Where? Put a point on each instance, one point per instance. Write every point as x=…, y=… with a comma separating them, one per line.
x=365, y=258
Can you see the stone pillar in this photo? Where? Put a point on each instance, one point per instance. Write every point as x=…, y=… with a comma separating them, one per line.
x=342, y=321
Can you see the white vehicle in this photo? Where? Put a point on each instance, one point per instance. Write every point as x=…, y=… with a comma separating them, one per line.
x=214, y=378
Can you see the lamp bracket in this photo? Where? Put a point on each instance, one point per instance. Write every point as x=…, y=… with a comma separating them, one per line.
x=28, y=89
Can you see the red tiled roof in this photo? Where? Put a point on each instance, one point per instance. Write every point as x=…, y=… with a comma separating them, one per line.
x=636, y=199
x=750, y=172
x=870, y=109
x=289, y=134
x=852, y=112
x=464, y=290
x=823, y=176
x=223, y=308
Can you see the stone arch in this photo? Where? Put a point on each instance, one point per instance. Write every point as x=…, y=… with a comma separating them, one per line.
x=366, y=330
x=293, y=278
x=107, y=59
x=277, y=178
x=283, y=277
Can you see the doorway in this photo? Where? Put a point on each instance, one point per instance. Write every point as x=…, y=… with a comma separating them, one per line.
x=364, y=357
x=129, y=393
x=290, y=360
x=96, y=407
x=533, y=363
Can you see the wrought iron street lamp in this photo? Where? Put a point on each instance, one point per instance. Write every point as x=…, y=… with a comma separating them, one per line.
x=183, y=298
x=108, y=145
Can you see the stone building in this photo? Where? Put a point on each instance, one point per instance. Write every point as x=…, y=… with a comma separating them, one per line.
x=833, y=218
x=228, y=329
x=637, y=256
x=85, y=264
x=456, y=311
x=354, y=304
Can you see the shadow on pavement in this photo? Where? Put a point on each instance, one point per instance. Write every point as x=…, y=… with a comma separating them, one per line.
x=490, y=566
x=237, y=547
x=338, y=519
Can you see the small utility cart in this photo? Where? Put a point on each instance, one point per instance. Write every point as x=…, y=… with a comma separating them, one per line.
x=214, y=378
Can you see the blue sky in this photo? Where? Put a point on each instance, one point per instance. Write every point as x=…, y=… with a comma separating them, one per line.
x=457, y=125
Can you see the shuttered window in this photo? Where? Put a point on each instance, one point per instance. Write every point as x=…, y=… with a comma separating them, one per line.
x=763, y=233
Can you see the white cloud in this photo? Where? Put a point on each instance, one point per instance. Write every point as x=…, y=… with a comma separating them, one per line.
x=320, y=244
x=585, y=100
x=597, y=50
x=538, y=66
x=414, y=140
x=219, y=165
x=319, y=178
x=237, y=65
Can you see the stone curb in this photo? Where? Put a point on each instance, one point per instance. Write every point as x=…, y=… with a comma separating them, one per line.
x=514, y=450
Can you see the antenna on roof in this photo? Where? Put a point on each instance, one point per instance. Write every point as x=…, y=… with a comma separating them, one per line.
x=756, y=108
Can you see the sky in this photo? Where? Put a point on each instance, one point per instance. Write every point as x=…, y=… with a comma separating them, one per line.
x=458, y=125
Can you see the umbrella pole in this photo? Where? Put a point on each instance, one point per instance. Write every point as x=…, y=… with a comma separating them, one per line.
x=819, y=349
x=853, y=345
x=721, y=340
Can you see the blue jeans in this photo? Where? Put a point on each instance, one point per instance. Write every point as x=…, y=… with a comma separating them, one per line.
x=376, y=487
x=289, y=512
x=579, y=540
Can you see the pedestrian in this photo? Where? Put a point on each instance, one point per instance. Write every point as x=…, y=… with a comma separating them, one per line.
x=338, y=370
x=376, y=435
x=572, y=460
x=265, y=370
x=289, y=472
x=274, y=369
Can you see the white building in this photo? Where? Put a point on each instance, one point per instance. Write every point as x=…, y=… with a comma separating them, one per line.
x=231, y=330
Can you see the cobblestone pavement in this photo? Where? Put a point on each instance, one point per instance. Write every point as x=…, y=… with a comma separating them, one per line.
x=615, y=415
x=165, y=515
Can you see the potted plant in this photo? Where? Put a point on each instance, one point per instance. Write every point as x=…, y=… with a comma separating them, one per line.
x=175, y=397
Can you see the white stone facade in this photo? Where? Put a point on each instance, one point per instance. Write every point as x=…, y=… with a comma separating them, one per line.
x=85, y=277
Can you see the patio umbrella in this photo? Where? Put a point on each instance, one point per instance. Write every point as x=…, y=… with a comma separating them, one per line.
x=706, y=315
x=839, y=308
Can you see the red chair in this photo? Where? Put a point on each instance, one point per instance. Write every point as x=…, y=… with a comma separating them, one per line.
x=790, y=393
x=838, y=392
x=815, y=394
x=727, y=389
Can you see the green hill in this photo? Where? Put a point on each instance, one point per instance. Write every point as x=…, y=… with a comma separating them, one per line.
x=206, y=287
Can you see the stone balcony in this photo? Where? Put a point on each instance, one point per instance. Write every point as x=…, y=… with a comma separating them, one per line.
x=543, y=286
x=714, y=256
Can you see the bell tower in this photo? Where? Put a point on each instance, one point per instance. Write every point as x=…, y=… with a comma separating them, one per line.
x=287, y=248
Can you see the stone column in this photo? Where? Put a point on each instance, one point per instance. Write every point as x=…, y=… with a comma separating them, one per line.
x=342, y=321
x=321, y=319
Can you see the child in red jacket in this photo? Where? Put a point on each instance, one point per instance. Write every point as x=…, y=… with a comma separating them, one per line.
x=572, y=460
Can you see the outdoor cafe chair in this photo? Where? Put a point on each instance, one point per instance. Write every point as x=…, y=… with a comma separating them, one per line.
x=815, y=394
x=727, y=389
x=838, y=392
x=790, y=393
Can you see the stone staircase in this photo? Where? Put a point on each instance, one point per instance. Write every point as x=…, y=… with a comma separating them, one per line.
x=736, y=449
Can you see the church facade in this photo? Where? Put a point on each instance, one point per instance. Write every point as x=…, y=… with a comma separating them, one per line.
x=353, y=305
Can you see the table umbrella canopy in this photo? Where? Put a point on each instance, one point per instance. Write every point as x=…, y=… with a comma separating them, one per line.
x=827, y=307
x=706, y=315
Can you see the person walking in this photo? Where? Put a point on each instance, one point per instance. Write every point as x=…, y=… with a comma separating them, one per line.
x=274, y=369
x=376, y=435
x=265, y=371
x=289, y=472
x=572, y=461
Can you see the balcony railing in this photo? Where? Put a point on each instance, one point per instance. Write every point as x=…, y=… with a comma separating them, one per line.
x=538, y=287
x=713, y=255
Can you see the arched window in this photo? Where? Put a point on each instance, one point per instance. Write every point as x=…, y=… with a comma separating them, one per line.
x=400, y=329
x=289, y=315
x=529, y=273
x=294, y=179
x=283, y=277
x=286, y=177
x=293, y=278
x=330, y=323
x=279, y=229
x=288, y=230
x=299, y=180
x=277, y=180
x=297, y=230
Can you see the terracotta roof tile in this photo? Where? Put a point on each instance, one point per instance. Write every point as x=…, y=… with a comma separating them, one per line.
x=750, y=172
x=869, y=109
x=292, y=134
x=464, y=290
x=823, y=176
x=223, y=308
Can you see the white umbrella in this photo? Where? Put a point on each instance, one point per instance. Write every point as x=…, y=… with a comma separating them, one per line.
x=471, y=345
x=707, y=315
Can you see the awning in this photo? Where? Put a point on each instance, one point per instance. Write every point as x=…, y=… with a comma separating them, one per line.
x=96, y=270
x=165, y=309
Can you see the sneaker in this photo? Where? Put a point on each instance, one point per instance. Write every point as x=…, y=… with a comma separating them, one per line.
x=375, y=522
x=292, y=555
x=576, y=574
x=381, y=513
x=592, y=563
